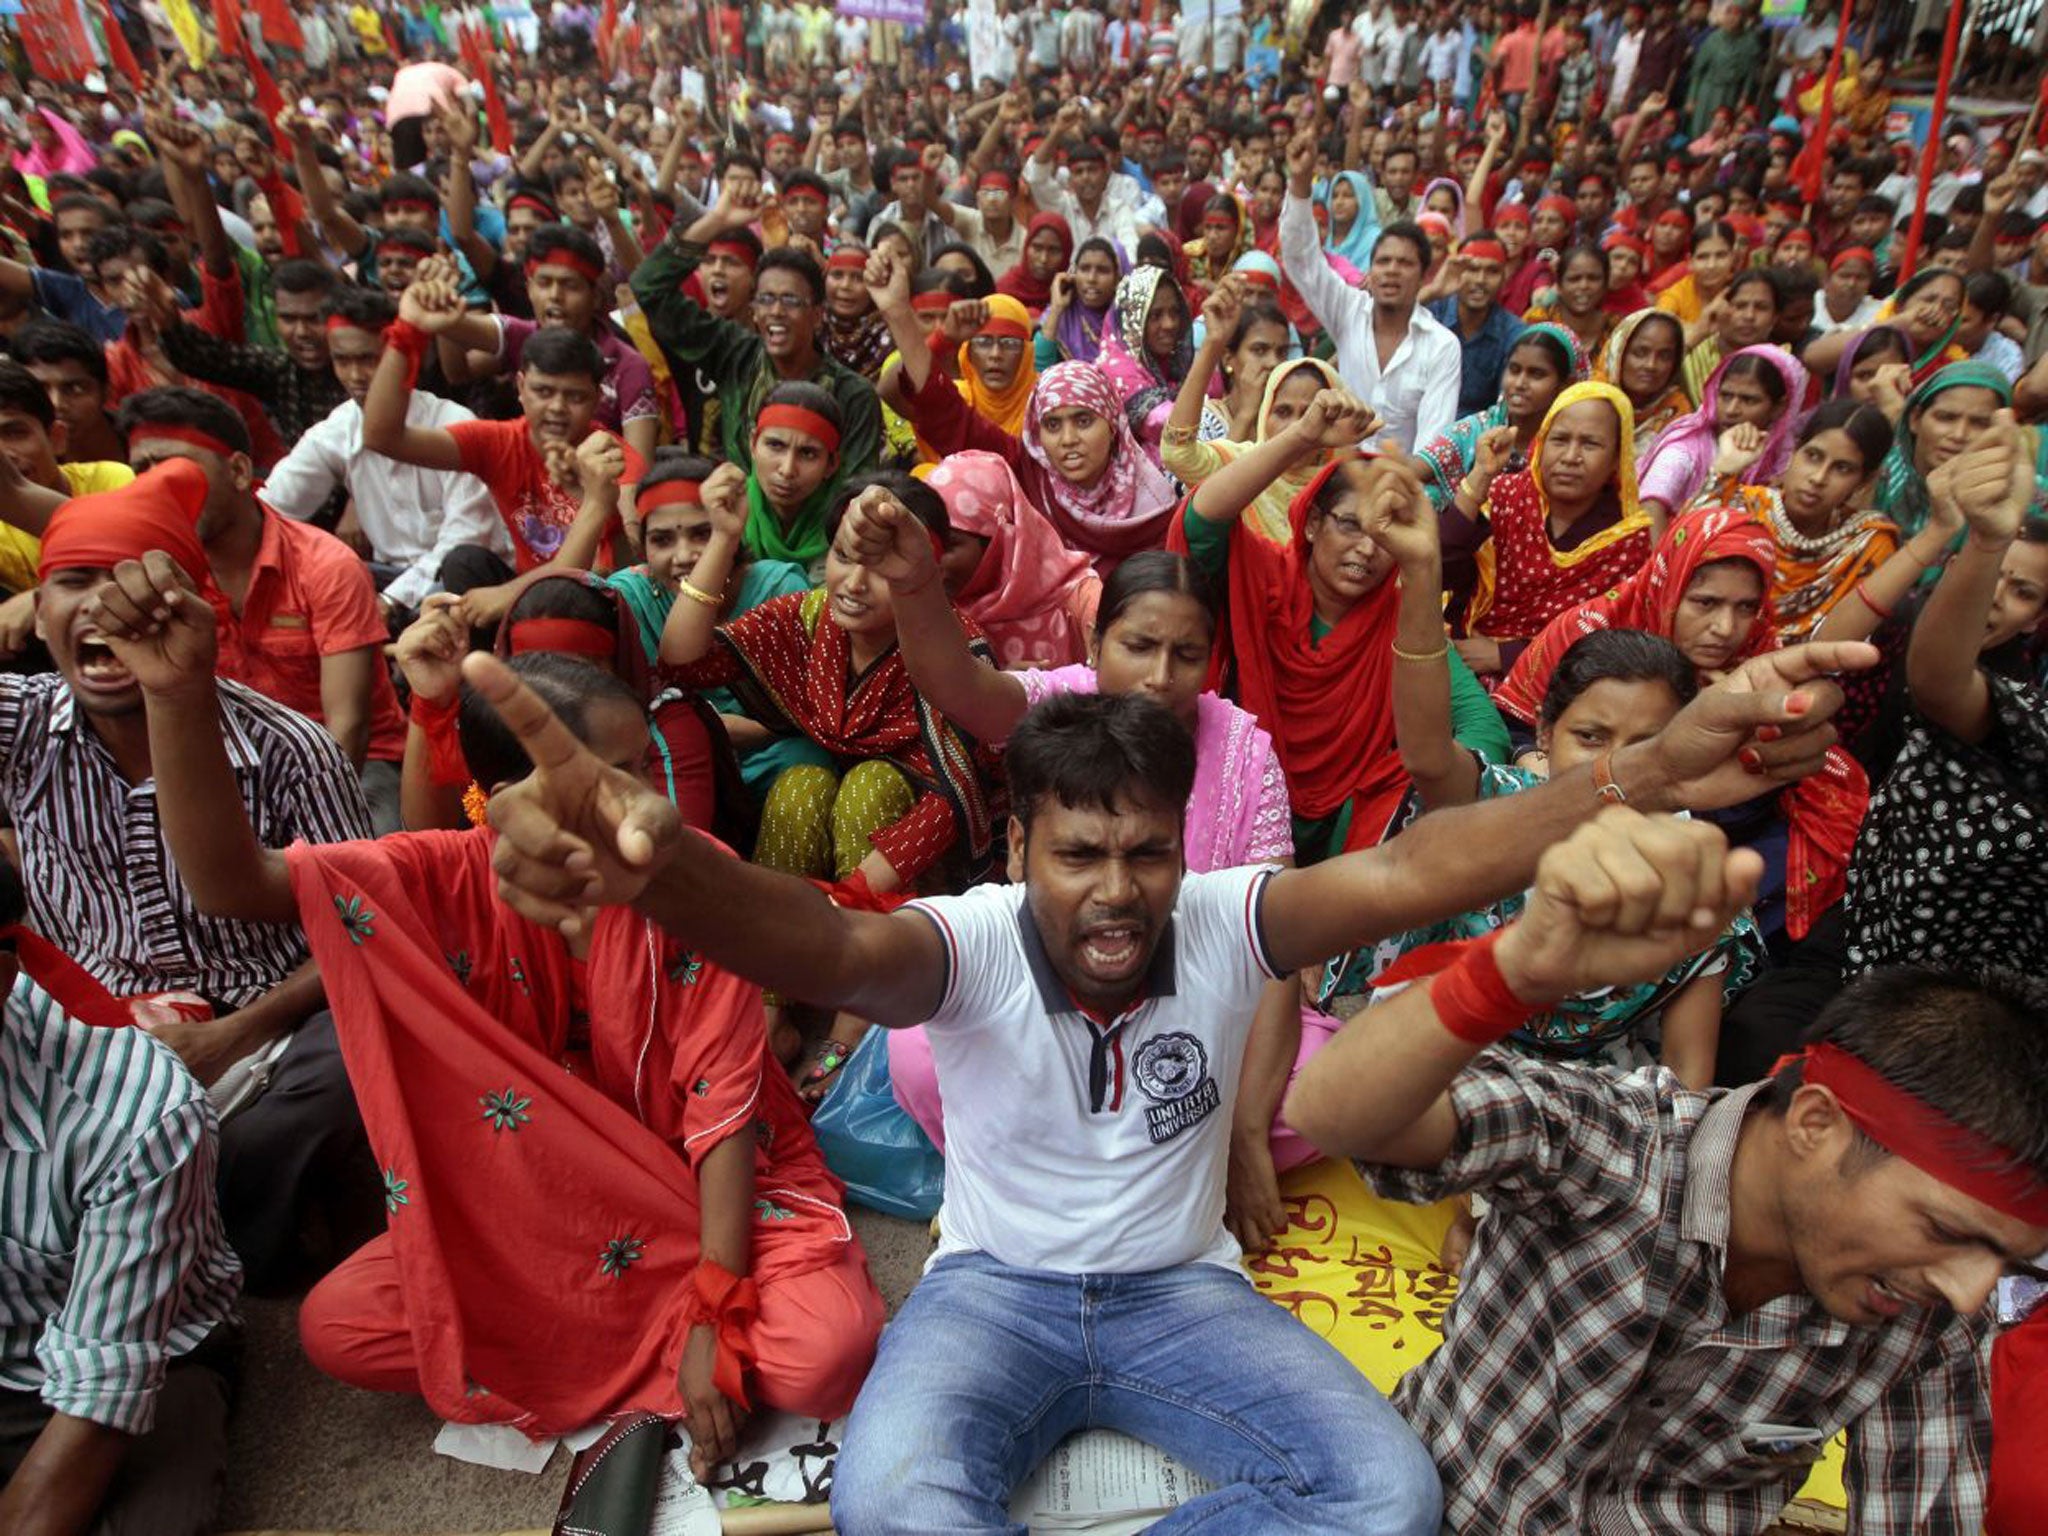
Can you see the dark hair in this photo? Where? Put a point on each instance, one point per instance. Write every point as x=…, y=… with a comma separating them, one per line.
x=1954, y=240
x=1926, y=277
x=1989, y=291
x=1555, y=351
x=1794, y=284
x=1715, y=229
x=1880, y=340
x=1758, y=277
x=1258, y=312
x=677, y=464
x=1154, y=252
x=890, y=161
x=1227, y=205
x=922, y=502
x=535, y=194
x=789, y=258
x=565, y=597
x=412, y=239
x=1873, y=203
x=74, y=202
x=1973, y=1047
x=178, y=405
x=120, y=239
x=1621, y=656
x=1099, y=751
x=811, y=181
x=299, y=275
x=1969, y=198
x=739, y=159
x=1858, y=169
x=568, y=685
x=984, y=280
x=21, y=391
x=152, y=213
x=59, y=341
x=1866, y=425
x=1750, y=366
x=1086, y=152
x=1413, y=233
x=805, y=396
x=557, y=350
x=13, y=899
x=746, y=240
x=1402, y=147
x=367, y=309
x=1148, y=571
x=1581, y=251
x=550, y=238
x=403, y=187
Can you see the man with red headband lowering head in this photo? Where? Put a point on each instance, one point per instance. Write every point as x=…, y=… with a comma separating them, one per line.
x=1676, y=1300
x=77, y=785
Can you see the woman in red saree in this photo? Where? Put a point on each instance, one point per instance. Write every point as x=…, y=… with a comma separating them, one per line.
x=603, y=1194
x=1707, y=590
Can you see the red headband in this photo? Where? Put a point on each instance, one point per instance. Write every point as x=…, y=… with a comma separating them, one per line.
x=804, y=194
x=670, y=493
x=1484, y=250
x=159, y=509
x=573, y=637
x=1854, y=253
x=736, y=249
x=198, y=437
x=934, y=302
x=1622, y=240
x=781, y=138
x=1259, y=279
x=1001, y=179
x=797, y=419
x=1677, y=218
x=409, y=202
x=343, y=323
x=1909, y=1127
x=999, y=326
x=1564, y=207
x=1510, y=213
x=528, y=200
x=389, y=244
x=582, y=266
x=848, y=258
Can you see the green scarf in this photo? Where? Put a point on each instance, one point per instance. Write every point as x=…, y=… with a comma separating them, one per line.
x=803, y=542
x=1901, y=488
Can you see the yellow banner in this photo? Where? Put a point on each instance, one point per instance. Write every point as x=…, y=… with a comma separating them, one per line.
x=198, y=47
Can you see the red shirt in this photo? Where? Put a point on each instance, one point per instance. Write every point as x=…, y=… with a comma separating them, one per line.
x=1515, y=57
x=537, y=512
x=309, y=597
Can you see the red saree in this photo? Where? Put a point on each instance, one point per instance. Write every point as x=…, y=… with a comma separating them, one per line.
x=538, y=1120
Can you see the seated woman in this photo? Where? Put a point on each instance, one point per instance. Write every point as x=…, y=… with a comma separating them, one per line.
x=1751, y=401
x=1627, y=255
x=996, y=369
x=1147, y=351
x=910, y=802
x=1643, y=359
x=676, y=529
x=1559, y=532
x=1943, y=416
x=1243, y=340
x=622, y=1083
x=1154, y=633
x=1048, y=247
x=1578, y=303
x=1005, y=567
x=1927, y=310
x=1225, y=233
x=1706, y=274
x=796, y=459
x=1544, y=359
x=1743, y=316
x=1354, y=218
x=1876, y=369
x=582, y=616
x=1706, y=589
x=1076, y=317
x=1075, y=455
x=1310, y=630
x=855, y=333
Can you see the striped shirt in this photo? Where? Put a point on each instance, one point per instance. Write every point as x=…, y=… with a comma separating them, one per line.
x=99, y=875
x=1592, y=1377
x=114, y=1258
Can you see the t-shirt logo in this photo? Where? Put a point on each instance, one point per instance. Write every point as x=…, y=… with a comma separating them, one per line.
x=1173, y=1072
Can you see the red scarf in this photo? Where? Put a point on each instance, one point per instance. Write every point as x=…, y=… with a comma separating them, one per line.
x=1328, y=704
x=1018, y=282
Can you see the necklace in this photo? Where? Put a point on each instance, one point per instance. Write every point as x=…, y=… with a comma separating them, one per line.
x=1827, y=544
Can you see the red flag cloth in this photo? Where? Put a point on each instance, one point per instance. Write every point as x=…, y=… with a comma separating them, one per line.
x=607, y=29
x=286, y=206
x=270, y=102
x=1811, y=164
x=280, y=25
x=390, y=38
x=119, y=54
x=57, y=44
x=476, y=53
x=539, y=1120
x=227, y=21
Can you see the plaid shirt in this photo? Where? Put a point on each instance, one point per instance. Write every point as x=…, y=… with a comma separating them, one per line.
x=1591, y=1378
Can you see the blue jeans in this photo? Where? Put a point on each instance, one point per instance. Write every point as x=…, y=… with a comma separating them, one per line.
x=987, y=1368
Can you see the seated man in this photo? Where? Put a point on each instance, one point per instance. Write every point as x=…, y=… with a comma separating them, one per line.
x=72, y=367
x=1676, y=1300
x=34, y=482
x=410, y=518
x=306, y=627
x=118, y=1310
x=76, y=784
x=75, y=296
x=1121, y=993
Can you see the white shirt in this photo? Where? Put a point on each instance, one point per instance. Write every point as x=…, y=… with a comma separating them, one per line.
x=1440, y=56
x=1862, y=317
x=972, y=229
x=1084, y=1147
x=411, y=516
x=1628, y=53
x=1115, y=219
x=1416, y=394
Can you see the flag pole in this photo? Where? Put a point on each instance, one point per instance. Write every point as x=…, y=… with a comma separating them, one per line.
x=1930, y=157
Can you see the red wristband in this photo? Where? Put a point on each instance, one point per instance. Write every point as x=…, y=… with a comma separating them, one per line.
x=436, y=720
x=1473, y=1000
x=410, y=343
x=726, y=1303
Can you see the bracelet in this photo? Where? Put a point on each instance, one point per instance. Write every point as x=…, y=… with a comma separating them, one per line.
x=726, y=1303
x=1863, y=592
x=1473, y=1000
x=1603, y=780
x=1436, y=655
x=697, y=594
x=1176, y=437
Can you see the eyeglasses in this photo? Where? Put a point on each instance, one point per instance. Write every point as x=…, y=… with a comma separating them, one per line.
x=1008, y=346
x=788, y=302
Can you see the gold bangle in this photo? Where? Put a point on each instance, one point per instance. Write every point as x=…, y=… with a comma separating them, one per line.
x=1436, y=655
x=697, y=596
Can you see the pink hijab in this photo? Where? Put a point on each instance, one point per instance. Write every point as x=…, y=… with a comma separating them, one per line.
x=72, y=157
x=1131, y=503
x=1034, y=597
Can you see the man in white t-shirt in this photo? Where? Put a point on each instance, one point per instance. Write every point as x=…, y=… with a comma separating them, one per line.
x=1088, y=1022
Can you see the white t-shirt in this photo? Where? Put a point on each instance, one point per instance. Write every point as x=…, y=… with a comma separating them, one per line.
x=1079, y=1146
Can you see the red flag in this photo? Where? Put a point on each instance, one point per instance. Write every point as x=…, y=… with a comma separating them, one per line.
x=55, y=39
x=227, y=21
x=607, y=29
x=1812, y=160
x=280, y=25
x=390, y=41
x=119, y=54
x=476, y=54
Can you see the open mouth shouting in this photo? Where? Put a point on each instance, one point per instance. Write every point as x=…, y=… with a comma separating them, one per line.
x=99, y=670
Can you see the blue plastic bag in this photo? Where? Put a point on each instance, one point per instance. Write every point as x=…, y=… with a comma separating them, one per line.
x=885, y=1159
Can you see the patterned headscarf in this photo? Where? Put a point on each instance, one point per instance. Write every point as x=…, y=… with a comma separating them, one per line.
x=1125, y=509
x=1141, y=380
